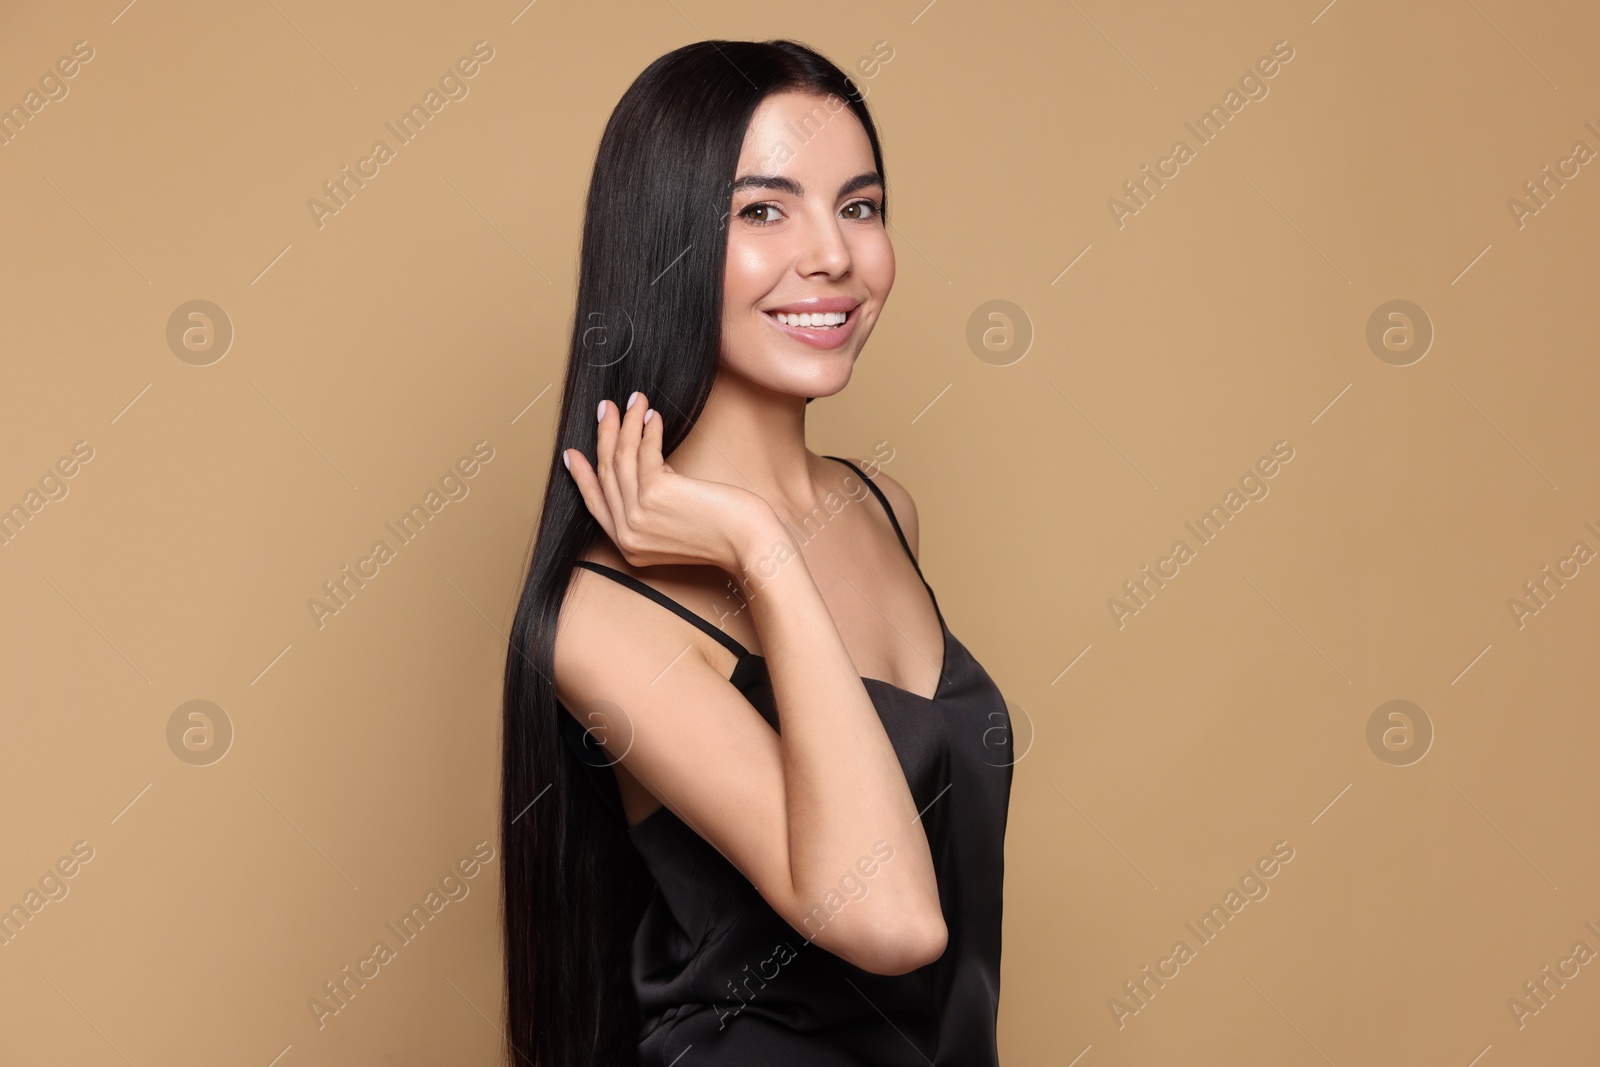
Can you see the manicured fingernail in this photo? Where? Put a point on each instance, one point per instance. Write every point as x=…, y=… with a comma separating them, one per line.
x=600, y=412
x=649, y=412
x=631, y=398
x=565, y=461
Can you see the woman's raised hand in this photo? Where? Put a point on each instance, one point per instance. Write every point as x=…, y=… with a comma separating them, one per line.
x=653, y=514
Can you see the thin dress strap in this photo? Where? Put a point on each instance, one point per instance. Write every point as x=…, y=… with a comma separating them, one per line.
x=885, y=502
x=727, y=640
x=898, y=532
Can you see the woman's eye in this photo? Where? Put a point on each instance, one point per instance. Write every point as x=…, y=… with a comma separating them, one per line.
x=768, y=209
x=867, y=207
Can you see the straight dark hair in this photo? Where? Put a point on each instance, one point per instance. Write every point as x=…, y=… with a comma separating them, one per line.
x=648, y=317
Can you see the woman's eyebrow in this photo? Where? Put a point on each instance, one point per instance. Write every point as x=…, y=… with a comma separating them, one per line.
x=794, y=188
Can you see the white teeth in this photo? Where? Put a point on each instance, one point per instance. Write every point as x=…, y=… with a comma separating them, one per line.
x=823, y=319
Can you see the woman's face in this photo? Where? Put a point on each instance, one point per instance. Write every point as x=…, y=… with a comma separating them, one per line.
x=805, y=237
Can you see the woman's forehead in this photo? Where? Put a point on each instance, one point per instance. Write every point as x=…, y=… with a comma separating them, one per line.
x=799, y=132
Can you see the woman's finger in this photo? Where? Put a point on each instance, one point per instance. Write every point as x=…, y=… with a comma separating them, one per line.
x=606, y=470
x=594, y=497
x=650, y=458
x=627, y=453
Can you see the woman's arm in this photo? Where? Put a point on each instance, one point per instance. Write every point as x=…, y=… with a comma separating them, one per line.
x=843, y=784
x=822, y=808
x=810, y=815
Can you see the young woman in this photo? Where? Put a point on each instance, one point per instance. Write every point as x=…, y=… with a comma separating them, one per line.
x=755, y=792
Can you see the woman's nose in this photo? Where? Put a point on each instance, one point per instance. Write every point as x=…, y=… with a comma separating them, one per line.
x=825, y=250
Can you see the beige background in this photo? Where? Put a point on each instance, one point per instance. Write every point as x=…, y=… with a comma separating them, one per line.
x=1163, y=757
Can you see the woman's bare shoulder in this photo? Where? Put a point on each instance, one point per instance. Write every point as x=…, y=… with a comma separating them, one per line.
x=905, y=508
x=601, y=616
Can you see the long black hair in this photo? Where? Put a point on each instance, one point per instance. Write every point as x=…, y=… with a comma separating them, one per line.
x=648, y=317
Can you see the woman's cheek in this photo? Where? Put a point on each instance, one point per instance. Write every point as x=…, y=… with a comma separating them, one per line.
x=875, y=263
x=750, y=275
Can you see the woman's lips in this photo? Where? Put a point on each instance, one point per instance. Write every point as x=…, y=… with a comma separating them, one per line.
x=818, y=337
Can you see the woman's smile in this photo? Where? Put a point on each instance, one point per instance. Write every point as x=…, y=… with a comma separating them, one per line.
x=826, y=322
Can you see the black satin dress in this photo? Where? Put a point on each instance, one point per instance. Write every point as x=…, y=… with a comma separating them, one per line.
x=722, y=979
